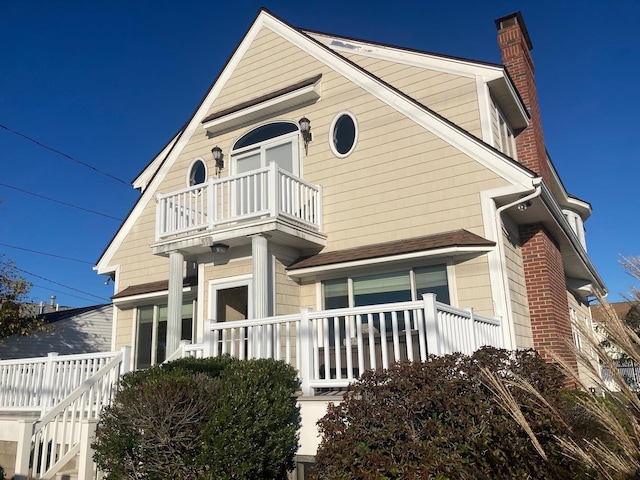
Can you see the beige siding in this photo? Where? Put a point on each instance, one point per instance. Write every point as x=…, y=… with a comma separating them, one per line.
x=473, y=287
x=124, y=327
x=452, y=96
x=287, y=291
x=401, y=180
x=517, y=287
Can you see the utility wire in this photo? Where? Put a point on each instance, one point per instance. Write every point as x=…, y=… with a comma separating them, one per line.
x=53, y=281
x=60, y=202
x=40, y=144
x=62, y=292
x=47, y=254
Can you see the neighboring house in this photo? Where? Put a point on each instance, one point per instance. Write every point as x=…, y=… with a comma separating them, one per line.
x=323, y=179
x=629, y=313
x=70, y=331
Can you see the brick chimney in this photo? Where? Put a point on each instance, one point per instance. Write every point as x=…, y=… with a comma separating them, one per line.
x=541, y=256
x=516, y=47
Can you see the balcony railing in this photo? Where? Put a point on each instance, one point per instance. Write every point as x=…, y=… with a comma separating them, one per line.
x=332, y=348
x=266, y=192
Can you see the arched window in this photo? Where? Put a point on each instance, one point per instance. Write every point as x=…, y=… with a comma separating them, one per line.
x=273, y=142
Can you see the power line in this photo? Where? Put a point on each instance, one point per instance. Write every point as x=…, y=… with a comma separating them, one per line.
x=53, y=281
x=44, y=253
x=40, y=144
x=64, y=293
x=60, y=202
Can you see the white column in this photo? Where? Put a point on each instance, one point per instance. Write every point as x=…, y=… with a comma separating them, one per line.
x=260, y=259
x=174, y=302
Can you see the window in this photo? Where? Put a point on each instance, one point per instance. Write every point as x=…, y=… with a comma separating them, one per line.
x=197, y=173
x=390, y=287
x=151, y=345
x=380, y=288
x=503, y=137
x=273, y=142
x=344, y=134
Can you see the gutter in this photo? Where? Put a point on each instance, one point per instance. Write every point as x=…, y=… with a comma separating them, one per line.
x=537, y=191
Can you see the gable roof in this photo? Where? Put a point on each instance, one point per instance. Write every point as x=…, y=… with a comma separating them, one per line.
x=459, y=138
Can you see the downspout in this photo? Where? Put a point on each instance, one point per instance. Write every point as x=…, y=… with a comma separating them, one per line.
x=537, y=183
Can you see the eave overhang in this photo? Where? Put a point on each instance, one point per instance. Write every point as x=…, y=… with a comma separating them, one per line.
x=305, y=92
x=447, y=244
x=578, y=268
x=505, y=95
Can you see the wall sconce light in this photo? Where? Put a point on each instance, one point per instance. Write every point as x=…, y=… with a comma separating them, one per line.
x=524, y=205
x=305, y=130
x=218, y=158
x=219, y=248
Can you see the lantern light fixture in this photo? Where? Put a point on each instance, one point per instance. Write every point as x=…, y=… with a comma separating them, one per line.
x=218, y=157
x=305, y=130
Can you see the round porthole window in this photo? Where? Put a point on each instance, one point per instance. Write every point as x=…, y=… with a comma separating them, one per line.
x=198, y=173
x=344, y=133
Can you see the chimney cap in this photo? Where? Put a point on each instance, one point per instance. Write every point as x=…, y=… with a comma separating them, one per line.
x=515, y=18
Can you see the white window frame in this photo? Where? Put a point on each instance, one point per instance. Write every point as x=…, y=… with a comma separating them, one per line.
x=399, y=268
x=232, y=282
x=332, y=132
x=159, y=302
x=190, y=171
x=291, y=137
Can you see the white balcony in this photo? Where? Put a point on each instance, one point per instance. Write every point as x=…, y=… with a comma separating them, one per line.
x=233, y=203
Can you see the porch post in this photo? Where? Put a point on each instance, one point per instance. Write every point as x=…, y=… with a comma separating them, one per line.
x=25, y=432
x=431, y=323
x=174, y=301
x=260, y=259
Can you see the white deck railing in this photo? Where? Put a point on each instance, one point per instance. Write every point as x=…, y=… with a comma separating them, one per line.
x=37, y=384
x=332, y=348
x=66, y=430
x=266, y=192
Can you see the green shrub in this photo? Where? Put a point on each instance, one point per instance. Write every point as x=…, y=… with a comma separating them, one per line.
x=217, y=418
x=440, y=420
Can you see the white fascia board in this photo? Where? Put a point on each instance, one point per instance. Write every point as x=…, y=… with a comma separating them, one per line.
x=556, y=212
x=336, y=267
x=466, y=143
x=236, y=119
x=142, y=180
x=194, y=124
x=456, y=66
x=564, y=199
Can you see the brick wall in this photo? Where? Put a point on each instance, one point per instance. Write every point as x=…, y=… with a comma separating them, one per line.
x=546, y=290
x=515, y=45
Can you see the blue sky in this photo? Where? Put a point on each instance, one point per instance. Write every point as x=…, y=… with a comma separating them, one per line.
x=108, y=83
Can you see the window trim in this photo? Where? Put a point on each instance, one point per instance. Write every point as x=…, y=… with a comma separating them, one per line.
x=332, y=134
x=191, y=168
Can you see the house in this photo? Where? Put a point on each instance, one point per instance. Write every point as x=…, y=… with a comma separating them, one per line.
x=342, y=204
x=71, y=331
